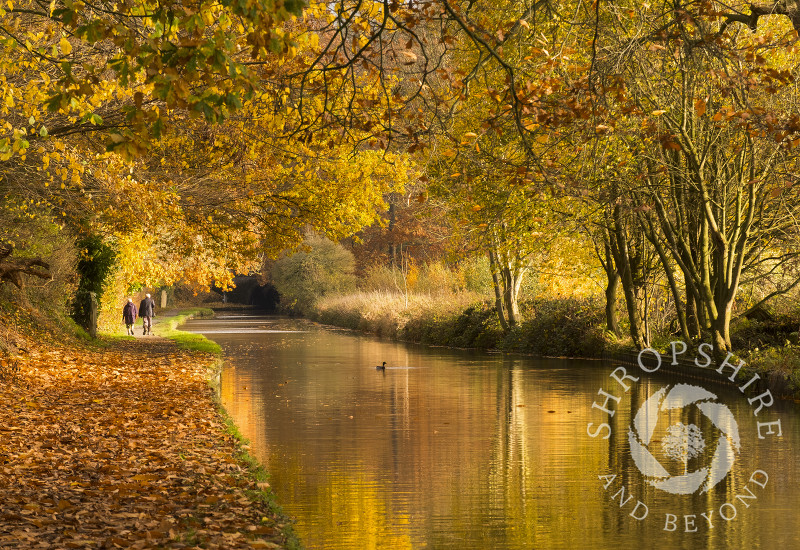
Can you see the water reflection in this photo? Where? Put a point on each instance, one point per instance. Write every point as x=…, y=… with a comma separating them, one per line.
x=467, y=450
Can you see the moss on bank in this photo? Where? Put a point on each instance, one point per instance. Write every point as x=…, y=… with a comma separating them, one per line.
x=168, y=328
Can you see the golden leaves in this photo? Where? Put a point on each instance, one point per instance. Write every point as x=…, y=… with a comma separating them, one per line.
x=700, y=107
x=122, y=448
x=65, y=46
x=408, y=57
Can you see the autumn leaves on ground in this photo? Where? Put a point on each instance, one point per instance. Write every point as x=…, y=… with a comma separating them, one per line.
x=122, y=446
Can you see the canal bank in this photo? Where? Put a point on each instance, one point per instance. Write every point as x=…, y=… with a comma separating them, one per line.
x=119, y=443
x=274, y=523
x=555, y=327
x=731, y=373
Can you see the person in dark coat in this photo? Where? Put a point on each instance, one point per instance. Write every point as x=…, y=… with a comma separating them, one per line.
x=129, y=314
x=147, y=310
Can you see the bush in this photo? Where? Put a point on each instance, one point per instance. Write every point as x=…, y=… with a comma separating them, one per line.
x=321, y=269
x=436, y=278
x=476, y=276
x=40, y=236
x=381, y=278
x=95, y=263
x=560, y=327
x=476, y=326
x=751, y=333
x=565, y=327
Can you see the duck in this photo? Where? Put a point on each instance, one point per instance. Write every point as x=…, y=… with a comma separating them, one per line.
x=381, y=367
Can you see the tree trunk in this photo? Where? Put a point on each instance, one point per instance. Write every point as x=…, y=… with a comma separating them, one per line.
x=392, y=248
x=507, y=277
x=612, y=283
x=680, y=313
x=721, y=329
x=692, y=322
x=621, y=251
x=498, y=295
x=612, y=324
x=511, y=284
x=12, y=269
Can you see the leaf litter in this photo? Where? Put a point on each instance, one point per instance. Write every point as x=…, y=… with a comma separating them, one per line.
x=123, y=447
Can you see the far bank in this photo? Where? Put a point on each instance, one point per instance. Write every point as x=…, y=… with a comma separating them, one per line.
x=551, y=327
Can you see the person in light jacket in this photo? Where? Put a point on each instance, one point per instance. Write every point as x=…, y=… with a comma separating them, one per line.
x=147, y=310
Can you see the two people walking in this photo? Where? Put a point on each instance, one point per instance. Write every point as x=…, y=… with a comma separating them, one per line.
x=147, y=310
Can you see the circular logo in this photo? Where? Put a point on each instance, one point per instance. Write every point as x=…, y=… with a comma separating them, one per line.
x=683, y=442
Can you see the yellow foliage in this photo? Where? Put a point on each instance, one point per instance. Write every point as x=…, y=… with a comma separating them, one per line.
x=142, y=148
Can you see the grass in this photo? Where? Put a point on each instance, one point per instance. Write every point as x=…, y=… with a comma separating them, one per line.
x=554, y=327
x=167, y=328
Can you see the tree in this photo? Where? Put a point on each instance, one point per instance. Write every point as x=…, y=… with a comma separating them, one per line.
x=10, y=270
x=415, y=226
x=165, y=129
x=498, y=212
x=243, y=194
x=704, y=117
x=79, y=79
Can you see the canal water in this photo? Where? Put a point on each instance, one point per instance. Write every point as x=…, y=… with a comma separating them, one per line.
x=449, y=449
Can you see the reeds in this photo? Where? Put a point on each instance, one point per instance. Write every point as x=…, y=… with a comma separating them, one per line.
x=386, y=313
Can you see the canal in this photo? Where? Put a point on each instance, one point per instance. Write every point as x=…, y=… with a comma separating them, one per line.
x=450, y=449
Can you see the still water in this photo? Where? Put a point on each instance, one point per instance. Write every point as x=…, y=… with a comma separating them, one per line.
x=450, y=449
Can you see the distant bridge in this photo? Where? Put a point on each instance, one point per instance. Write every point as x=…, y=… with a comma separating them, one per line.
x=250, y=292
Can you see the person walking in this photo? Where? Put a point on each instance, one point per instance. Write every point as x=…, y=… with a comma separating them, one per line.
x=147, y=310
x=129, y=314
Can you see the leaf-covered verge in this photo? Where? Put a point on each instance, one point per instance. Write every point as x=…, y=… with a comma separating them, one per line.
x=122, y=445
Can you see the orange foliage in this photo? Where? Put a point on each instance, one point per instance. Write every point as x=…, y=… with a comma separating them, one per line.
x=121, y=448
